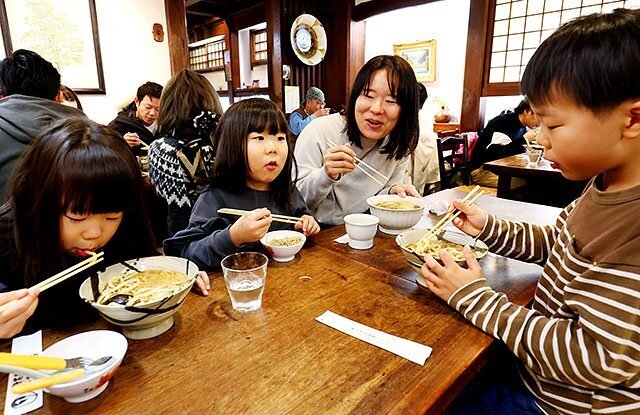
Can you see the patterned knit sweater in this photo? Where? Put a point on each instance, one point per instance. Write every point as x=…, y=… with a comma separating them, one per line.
x=580, y=341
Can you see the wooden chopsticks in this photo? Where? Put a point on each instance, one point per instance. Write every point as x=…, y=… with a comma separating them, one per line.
x=63, y=275
x=361, y=162
x=469, y=199
x=276, y=217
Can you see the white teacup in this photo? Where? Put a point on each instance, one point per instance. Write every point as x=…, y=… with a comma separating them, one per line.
x=361, y=229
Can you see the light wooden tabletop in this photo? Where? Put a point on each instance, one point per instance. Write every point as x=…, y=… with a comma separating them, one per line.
x=280, y=360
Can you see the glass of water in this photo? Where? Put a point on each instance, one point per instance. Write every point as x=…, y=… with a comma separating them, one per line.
x=244, y=275
x=534, y=155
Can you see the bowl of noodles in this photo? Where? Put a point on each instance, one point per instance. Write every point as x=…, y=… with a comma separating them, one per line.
x=283, y=245
x=414, y=248
x=141, y=295
x=396, y=213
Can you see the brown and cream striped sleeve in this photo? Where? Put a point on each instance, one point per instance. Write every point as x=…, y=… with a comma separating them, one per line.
x=596, y=346
x=521, y=240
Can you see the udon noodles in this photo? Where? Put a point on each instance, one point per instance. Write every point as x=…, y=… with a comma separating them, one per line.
x=397, y=205
x=143, y=287
x=433, y=245
x=288, y=241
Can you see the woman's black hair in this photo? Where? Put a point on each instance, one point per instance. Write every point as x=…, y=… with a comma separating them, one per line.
x=231, y=165
x=593, y=60
x=82, y=167
x=403, y=86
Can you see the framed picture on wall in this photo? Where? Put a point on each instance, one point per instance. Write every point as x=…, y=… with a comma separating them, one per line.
x=63, y=32
x=421, y=56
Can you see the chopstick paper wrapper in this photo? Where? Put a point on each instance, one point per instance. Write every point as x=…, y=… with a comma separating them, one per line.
x=415, y=352
x=21, y=404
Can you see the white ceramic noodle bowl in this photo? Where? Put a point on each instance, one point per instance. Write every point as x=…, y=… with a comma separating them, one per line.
x=94, y=345
x=147, y=320
x=416, y=261
x=361, y=229
x=283, y=253
x=394, y=221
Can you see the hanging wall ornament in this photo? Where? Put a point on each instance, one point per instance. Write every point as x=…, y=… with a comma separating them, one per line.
x=308, y=39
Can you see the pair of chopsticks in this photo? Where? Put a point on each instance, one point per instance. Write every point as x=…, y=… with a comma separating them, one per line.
x=360, y=162
x=469, y=199
x=63, y=275
x=276, y=218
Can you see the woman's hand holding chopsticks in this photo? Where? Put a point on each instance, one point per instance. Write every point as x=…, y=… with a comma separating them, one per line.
x=339, y=160
x=404, y=190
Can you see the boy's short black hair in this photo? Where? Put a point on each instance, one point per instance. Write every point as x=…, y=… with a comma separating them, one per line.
x=150, y=89
x=593, y=60
x=522, y=107
x=27, y=73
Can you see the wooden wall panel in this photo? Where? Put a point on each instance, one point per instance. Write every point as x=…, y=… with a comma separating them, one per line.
x=177, y=34
x=330, y=75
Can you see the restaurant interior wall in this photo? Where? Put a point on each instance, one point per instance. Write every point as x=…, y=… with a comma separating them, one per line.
x=247, y=73
x=445, y=21
x=130, y=56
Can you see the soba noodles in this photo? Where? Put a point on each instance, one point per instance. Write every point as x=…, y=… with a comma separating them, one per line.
x=433, y=245
x=397, y=205
x=143, y=287
x=288, y=241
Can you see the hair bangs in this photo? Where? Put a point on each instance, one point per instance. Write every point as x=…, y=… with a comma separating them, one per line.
x=97, y=182
x=266, y=118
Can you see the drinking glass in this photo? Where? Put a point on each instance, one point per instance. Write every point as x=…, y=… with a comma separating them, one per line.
x=244, y=275
x=534, y=156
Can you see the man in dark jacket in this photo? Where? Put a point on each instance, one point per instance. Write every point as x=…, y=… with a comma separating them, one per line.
x=502, y=137
x=137, y=121
x=29, y=85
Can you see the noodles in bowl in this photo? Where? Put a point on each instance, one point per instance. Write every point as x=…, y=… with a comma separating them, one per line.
x=287, y=241
x=433, y=245
x=397, y=205
x=143, y=287
x=141, y=295
x=414, y=249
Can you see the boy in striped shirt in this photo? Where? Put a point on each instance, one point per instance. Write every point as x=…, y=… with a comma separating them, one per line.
x=579, y=343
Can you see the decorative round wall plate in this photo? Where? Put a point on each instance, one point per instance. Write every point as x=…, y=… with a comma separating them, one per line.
x=308, y=39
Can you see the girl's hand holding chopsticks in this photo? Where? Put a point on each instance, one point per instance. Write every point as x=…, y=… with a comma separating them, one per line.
x=23, y=304
x=308, y=225
x=251, y=227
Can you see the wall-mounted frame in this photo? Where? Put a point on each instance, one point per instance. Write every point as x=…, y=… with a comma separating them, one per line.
x=63, y=32
x=421, y=56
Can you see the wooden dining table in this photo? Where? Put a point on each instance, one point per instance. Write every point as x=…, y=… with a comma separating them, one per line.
x=545, y=184
x=279, y=359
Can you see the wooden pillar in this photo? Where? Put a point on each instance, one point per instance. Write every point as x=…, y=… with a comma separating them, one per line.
x=274, y=51
x=177, y=34
x=472, y=102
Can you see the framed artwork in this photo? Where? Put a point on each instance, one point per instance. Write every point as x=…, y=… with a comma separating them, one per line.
x=421, y=56
x=63, y=32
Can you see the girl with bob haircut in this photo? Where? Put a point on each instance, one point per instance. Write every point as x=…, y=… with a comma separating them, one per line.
x=180, y=162
x=252, y=171
x=77, y=188
x=380, y=128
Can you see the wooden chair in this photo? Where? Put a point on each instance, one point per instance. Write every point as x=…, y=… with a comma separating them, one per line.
x=453, y=158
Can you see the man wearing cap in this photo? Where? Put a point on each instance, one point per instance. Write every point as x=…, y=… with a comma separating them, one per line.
x=310, y=109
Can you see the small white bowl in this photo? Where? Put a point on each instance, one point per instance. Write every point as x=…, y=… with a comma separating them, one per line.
x=147, y=320
x=94, y=345
x=283, y=253
x=361, y=229
x=416, y=261
x=394, y=221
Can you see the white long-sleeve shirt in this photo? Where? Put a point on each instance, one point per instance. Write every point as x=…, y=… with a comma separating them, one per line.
x=330, y=200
